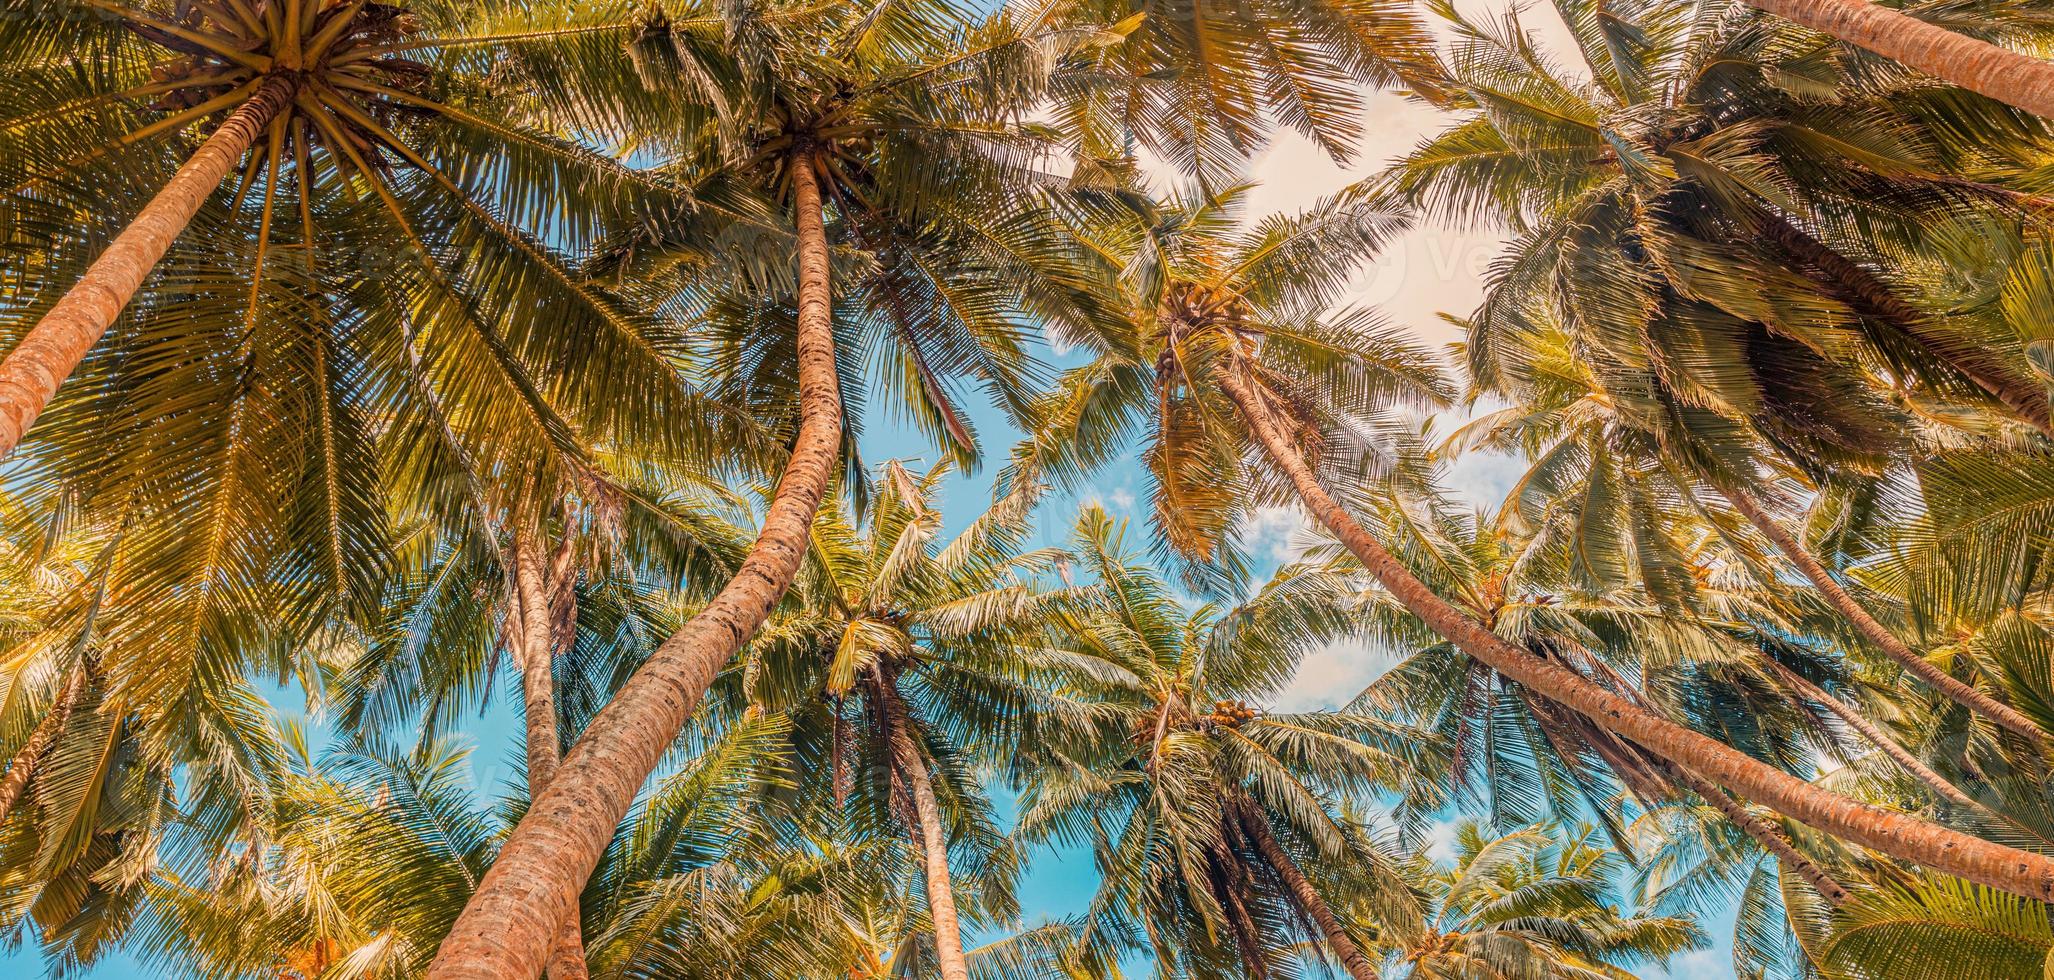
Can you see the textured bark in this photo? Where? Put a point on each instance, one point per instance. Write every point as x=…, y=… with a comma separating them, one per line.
x=1867, y=294
x=1979, y=66
x=23, y=768
x=1871, y=630
x=1255, y=824
x=1876, y=736
x=53, y=348
x=533, y=608
x=928, y=831
x=1769, y=837
x=504, y=931
x=1895, y=834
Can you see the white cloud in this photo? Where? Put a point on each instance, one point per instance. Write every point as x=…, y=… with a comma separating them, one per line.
x=1704, y=964
x=1484, y=479
x=1440, y=839
x=1118, y=502
x=1331, y=676
x=1281, y=532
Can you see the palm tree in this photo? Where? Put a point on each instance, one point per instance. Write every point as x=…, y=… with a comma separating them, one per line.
x=1218, y=829
x=1937, y=927
x=1589, y=421
x=1948, y=54
x=373, y=848
x=321, y=102
x=895, y=124
x=571, y=586
x=88, y=794
x=1693, y=857
x=1199, y=85
x=1536, y=902
x=1645, y=604
x=907, y=659
x=1226, y=323
x=828, y=910
x=1692, y=215
x=370, y=313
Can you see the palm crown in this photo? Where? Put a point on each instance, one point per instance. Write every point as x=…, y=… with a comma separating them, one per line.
x=1219, y=830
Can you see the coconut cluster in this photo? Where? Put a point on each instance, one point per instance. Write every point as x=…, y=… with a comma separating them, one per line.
x=1231, y=714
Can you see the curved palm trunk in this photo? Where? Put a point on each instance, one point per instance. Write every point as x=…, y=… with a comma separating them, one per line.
x=24, y=765
x=1896, y=834
x=532, y=607
x=1846, y=280
x=1767, y=836
x=1978, y=66
x=52, y=349
x=1871, y=630
x=505, y=930
x=932, y=837
x=1940, y=786
x=1255, y=824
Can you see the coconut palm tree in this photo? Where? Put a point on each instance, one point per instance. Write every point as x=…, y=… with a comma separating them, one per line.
x=909, y=663
x=1535, y=902
x=1627, y=440
x=1235, y=376
x=1219, y=830
x=1200, y=85
x=369, y=310
x=1950, y=51
x=1702, y=215
x=1691, y=338
x=902, y=127
x=571, y=588
x=1922, y=927
x=1560, y=591
x=830, y=910
x=87, y=802
x=309, y=107
x=374, y=848
x=370, y=845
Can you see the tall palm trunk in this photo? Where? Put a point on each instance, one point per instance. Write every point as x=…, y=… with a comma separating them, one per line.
x=505, y=931
x=1897, y=753
x=31, y=755
x=1895, y=834
x=533, y=608
x=1871, y=630
x=52, y=349
x=931, y=835
x=1979, y=66
x=1771, y=839
x=1255, y=824
x=1867, y=294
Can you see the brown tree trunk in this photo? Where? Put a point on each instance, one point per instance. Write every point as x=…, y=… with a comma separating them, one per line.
x=1866, y=294
x=1894, y=834
x=25, y=761
x=532, y=606
x=52, y=349
x=929, y=832
x=1871, y=630
x=1255, y=824
x=1979, y=66
x=1876, y=736
x=1763, y=833
x=505, y=930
